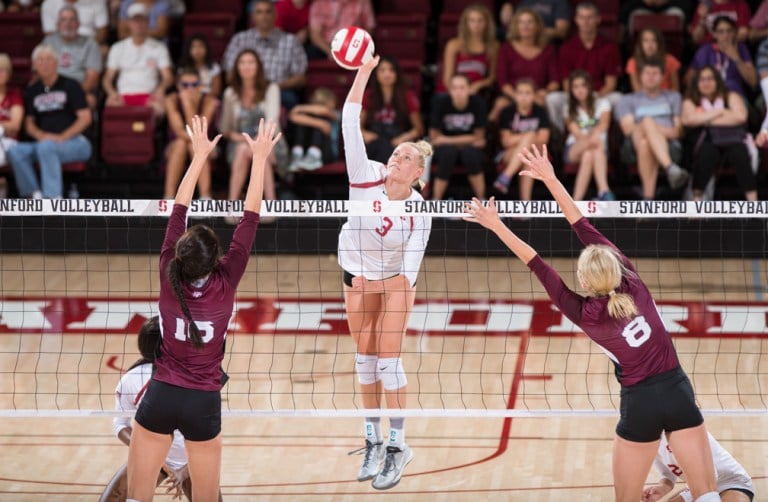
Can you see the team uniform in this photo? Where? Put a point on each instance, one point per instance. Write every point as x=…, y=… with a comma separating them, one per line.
x=656, y=394
x=185, y=391
x=372, y=246
x=730, y=474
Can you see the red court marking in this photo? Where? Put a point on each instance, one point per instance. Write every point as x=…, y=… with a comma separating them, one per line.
x=112, y=364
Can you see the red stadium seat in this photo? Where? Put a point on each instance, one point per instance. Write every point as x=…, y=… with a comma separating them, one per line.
x=457, y=6
x=22, y=72
x=402, y=37
x=127, y=135
x=404, y=7
x=234, y=7
x=448, y=28
x=20, y=32
x=217, y=28
x=326, y=73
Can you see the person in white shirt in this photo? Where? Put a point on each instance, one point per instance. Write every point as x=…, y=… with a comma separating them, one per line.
x=380, y=258
x=141, y=64
x=733, y=482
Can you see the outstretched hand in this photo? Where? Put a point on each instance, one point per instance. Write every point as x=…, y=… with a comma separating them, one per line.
x=198, y=133
x=537, y=164
x=370, y=64
x=484, y=214
x=264, y=140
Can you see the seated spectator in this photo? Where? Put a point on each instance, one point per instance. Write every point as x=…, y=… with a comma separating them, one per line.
x=587, y=121
x=729, y=57
x=142, y=66
x=717, y=121
x=326, y=17
x=285, y=62
x=197, y=54
x=79, y=55
x=590, y=51
x=758, y=25
x=92, y=16
x=762, y=68
x=11, y=116
x=650, y=121
x=56, y=114
x=703, y=24
x=650, y=45
x=315, y=131
x=632, y=8
x=182, y=105
x=522, y=124
x=457, y=133
x=157, y=15
x=293, y=17
x=554, y=14
x=525, y=55
x=249, y=98
x=391, y=112
x=473, y=52
x=24, y=5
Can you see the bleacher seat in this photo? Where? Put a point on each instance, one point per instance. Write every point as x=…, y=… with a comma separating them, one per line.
x=234, y=7
x=217, y=27
x=456, y=6
x=20, y=32
x=127, y=135
x=325, y=73
x=401, y=36
x=404, y=7
x=21, y=72
x=447, y=28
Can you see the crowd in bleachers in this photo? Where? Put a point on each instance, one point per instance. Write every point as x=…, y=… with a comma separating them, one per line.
x=637, y=99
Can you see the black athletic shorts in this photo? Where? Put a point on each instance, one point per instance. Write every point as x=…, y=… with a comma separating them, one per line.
x=347, y=279
x=663, y=402
x=195, y=413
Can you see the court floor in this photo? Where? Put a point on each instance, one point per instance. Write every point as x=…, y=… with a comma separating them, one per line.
x=482, y=336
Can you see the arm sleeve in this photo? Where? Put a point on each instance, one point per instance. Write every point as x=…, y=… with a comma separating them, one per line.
x=177, y=225
x=93, y=56
x=234, y=263
x=359, y=168
x=414, y=250
x=665, y=472
x=123, y=402
x=566, y=300
x=588, y=234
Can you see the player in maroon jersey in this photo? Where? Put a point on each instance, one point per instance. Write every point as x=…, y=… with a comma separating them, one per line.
x=197, y=292
x=620, y=315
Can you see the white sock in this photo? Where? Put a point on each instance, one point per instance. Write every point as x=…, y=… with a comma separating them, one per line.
x=297, y=151
x=396, y=435
x=373, y=430
x=315, y=152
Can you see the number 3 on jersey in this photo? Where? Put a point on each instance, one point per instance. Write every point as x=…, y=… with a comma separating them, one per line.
x=205, y=327
x=637, y=332
x=385, y=227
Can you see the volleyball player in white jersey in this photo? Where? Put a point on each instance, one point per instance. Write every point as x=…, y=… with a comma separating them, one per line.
x=733, y=482
x=381, y=257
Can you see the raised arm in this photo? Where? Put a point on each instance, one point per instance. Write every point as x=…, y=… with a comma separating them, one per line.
x=261, y=146
x=488, y=216
x=361, y=81
x=538, y=167
x=201, y=148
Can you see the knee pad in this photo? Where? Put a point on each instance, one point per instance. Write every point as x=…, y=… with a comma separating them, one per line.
x=391, y=373
x=365, y=367
x=709, y=497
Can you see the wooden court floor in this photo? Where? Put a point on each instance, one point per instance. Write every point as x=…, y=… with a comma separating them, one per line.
x=462, y=364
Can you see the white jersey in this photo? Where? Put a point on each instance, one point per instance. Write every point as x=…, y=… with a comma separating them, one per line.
x=128, y=395
x=730, y=474
x=376, y=247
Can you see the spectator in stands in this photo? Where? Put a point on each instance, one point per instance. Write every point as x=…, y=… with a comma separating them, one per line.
x=729, y=57
x=525, y=55
x=157, y=18
x=326, y=17
x=24, y=5
x=182, y=105
x=554, y=14
x=391, y=112
x=285, y=62
x=11, y=116
x=522, y=124
x=56, y=114
x=457, y=133
x=590, y=51
x=758, y=25
x=717, y=121
x=79, y=55
x=315, y=131
x=197, y=54
x=703, y=28
x=473, y=52
x=92, y=16
x=678, y=8
x=142, y=66
x=650, y=121
x=249, y=98
x=293, y=17
x=762, y=68
x=650, y=45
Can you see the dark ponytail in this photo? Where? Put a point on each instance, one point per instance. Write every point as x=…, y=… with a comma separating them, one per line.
x=174, y=275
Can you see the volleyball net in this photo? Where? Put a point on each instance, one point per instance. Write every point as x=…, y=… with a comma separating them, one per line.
x=79, y=277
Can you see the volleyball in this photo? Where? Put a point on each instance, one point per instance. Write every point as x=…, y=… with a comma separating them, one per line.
x=351, y=47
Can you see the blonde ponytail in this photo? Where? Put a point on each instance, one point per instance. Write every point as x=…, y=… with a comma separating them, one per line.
x=621, y=305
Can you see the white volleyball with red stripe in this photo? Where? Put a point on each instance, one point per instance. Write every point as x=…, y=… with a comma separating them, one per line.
x=351, y=47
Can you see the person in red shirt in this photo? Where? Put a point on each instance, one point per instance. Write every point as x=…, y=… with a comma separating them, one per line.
x=293, y=17
x=11, y=115
x=197, y=293
x=619, y=314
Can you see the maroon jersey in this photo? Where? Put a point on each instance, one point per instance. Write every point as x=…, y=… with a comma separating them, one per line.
x=211, y=305
x=640, y=347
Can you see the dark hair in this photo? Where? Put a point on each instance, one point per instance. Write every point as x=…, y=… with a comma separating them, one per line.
x=723, y=19
x=661, y=47
x=197, y=255
x=148, y=341
x=261, y=79
x=398, y=100
x=573, y=103
x=525, y=81
x=721, y=90
x=187, y=70
x=186, y=58
x=654, y=62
